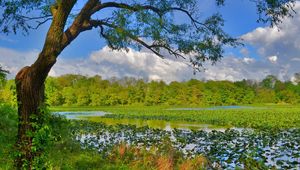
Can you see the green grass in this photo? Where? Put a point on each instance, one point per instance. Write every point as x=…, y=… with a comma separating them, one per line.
x=267, y=116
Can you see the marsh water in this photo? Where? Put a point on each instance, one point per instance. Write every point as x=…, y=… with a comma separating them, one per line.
x=96, y=116
x=157, y=124
x=228, y=147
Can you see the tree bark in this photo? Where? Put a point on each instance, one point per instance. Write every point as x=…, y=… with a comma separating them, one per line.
x=30, y=80
x=30, y=97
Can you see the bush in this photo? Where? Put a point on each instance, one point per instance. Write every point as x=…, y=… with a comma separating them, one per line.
x=8, y=131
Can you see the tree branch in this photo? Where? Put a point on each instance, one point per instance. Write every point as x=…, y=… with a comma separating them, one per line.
x=106, y=37
x=80, y=23
x=100, y=23
x=52, y=46
x=35, y=18
x=39, y=23
x=159, y=12
x=130, y=7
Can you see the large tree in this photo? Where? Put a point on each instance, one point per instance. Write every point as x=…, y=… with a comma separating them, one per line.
x=150, y=24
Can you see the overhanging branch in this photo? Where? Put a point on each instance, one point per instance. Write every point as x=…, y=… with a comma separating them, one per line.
x=159, y=12
x=134, y=8
x=151, y=47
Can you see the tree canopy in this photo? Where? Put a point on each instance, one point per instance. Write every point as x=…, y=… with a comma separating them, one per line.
x=78, y=90
x=150, y=24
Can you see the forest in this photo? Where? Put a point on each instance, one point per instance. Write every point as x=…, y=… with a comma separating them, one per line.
x=78, y=90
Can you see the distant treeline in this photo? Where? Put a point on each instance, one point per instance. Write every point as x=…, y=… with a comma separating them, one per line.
x=78, y=90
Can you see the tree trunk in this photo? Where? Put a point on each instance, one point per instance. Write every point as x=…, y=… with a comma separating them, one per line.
x=30, y=80
x=30, y=97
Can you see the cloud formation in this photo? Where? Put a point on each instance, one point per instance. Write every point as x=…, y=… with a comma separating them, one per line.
x=119, y=64
x=279, y=45
x=144, y=65
x=13, y=60
x=272, y=59
x=282, y=41
x=278, y=48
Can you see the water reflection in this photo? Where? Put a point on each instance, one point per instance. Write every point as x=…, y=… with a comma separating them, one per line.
x=77, y=115
x=156, y=124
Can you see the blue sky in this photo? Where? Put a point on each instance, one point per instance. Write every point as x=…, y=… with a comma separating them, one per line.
x=240, y=21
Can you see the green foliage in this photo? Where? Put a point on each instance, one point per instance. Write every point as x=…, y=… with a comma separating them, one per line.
x=272, y=11
x=8, y=93
x=2, y=77
x=77, y=90
x=13, y=18
x=63, y=152
x=274, y=117
x=8, y=129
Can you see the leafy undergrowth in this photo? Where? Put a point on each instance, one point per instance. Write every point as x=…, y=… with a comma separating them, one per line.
x=8, y=130
x=66, y=153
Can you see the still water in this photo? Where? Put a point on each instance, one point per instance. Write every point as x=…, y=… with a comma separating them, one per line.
x=96, y=116
x=157, y=124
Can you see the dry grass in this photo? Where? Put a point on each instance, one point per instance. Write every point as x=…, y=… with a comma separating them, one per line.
x=162, y=158
x=164, y=163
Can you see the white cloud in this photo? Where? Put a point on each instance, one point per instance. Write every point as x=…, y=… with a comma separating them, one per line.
x=146, y=65
x=248, y=60
x=138, y=64
x=273, y=59
x=266, y=35
x=13, y=60
x=279, y=45
x=295, y=59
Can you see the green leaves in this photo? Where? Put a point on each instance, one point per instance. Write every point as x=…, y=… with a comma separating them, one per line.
x=274, y=11
x=18, y=14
